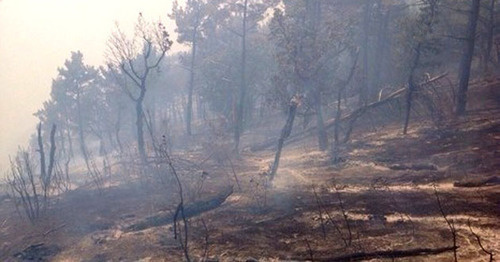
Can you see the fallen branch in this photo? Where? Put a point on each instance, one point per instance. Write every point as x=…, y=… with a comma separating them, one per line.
x=494, y=180
x=384, y=254
x=53, y=230
x=414, y=167
x=190, y=210
x=352, y=117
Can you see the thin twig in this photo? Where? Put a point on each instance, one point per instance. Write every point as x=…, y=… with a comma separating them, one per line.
x=450, y=224
x=234, y=172
x=323, y=229
x=53, y=229
x=479, y=241
x=309, y=249
x=205, y=252
x=344, y=214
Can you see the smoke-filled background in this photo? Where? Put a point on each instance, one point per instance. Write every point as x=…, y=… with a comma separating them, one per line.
x=35, y=39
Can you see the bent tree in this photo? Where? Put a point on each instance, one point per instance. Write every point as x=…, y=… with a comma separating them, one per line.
x=136, y=58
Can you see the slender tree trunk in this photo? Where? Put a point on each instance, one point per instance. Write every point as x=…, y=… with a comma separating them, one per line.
x=363, y=93
x=70, y=141
x=189, y=109
x=140, y=125
x=465, y=64
x=43, y=172
x=242, y=91
x=340, y=91
x=380, y=54
x=322, y=136
x=81, y=135
x=52, y=154
x=338, y=115
x=411, y=87
x=285, y=133
x=112, y=144
x=117, y=130
x=489, y=36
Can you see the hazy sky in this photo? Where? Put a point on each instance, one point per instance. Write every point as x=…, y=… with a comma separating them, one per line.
x=36, y=36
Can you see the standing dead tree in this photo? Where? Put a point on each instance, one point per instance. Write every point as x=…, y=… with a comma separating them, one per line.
x=468, y=54
x=25, y=184
x=46, y=173
x=285, y=133
x=136, y=58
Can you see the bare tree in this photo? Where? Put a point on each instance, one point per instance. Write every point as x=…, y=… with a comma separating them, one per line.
x=136, y=57
x=24, y=183
x=46, y=173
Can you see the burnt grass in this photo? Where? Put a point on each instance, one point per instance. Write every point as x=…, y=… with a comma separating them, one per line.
x=375, y=199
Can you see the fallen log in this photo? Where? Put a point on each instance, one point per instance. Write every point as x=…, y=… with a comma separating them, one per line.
x=353, y=116
x=360, y=256
x=492, y=181
x=190, y=210
x=414, y=167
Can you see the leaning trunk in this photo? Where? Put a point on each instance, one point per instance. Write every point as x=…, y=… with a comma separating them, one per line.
x=465, y=64
x=285, y=133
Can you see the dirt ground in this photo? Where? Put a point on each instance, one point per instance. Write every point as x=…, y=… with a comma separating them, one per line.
x=381, y=194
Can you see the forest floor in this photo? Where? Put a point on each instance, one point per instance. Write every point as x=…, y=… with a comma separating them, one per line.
x=383, y=194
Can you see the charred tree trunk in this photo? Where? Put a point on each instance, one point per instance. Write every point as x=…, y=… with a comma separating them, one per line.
x=190, y=210
x=46, y=173
x=140, y=125
x=243, y=85
x=389, y=254
x=465, y=64
x=380, y=55
x=43, y=172
x=341, y=89
x=338, y=115
x=285, y=133
x=411, y=87
x=322, y=136
x=81, y=136
x=117, y=131
x=70, y=142
x=189, y=109
x=52, y=153
x=363, y=92
x=489, y=36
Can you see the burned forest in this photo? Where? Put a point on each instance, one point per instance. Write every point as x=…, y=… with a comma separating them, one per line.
x=264, y=130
